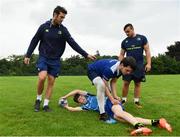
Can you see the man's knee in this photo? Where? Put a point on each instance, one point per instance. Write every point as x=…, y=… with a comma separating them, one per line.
x=137, y=84
x=42, y=76
x=51, y=80
x=118, y=111
x=99, y=83
x=126, y=83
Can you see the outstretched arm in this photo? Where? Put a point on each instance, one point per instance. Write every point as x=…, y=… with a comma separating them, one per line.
x=72, y=93
x=76, y=47
x=73, y=109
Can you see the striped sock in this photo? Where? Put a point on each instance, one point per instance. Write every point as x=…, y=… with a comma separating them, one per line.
x=138, y=125
x=154, y=122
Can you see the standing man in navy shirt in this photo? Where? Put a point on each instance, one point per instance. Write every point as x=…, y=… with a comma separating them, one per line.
x=134, y=45
x=101, y=71
x=52, y=36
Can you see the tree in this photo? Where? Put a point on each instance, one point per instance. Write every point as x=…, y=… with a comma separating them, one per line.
x=174, y=51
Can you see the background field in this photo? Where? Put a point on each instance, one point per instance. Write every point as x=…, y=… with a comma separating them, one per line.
x=160, y=96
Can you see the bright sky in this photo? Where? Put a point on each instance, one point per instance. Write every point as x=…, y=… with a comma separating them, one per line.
x=94, y=24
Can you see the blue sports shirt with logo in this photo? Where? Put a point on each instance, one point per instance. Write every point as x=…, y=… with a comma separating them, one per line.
x=134, y=47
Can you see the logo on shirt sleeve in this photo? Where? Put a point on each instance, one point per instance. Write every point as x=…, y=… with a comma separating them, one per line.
x=59, y=32
x=46, y=30
x=138, y=39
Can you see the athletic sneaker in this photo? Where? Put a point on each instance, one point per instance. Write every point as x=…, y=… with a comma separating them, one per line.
x=141, y=131
x=138, y=105
x=111, y=121
x=123, y=102
x=37, y=105
x=47, y=109
x=103, y=117
x=164, y=124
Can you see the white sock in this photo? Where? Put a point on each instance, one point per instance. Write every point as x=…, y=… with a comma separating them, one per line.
x=46, y=102
x=124, y=98
x=98, y=82
x=136, y=99
x=39, y=97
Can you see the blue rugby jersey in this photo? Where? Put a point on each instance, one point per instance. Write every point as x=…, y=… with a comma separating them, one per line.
x=106, y=68
x=134, y=47
x=91, y=103
x=53, y=41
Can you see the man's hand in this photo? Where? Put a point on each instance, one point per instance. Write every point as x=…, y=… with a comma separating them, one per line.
x=26, y=60
x=115, y=101
x=147, y=67
x=117, y=98
x=91, y=57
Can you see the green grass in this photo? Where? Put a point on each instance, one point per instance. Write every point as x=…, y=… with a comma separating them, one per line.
x=160, y=97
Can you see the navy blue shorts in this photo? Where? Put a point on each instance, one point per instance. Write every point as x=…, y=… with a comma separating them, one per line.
x=138, y=75
x=52, y=66
x=108, y=108
x=92, y=74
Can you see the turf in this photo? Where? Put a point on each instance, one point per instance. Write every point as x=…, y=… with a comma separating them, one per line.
x=160, y=98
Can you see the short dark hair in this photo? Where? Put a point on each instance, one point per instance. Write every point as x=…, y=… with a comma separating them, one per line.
x=129, y=61
x=59, y=9
x=76, y=96
x=128, y=25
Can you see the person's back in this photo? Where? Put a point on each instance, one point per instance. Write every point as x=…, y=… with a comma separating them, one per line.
x=105, y=66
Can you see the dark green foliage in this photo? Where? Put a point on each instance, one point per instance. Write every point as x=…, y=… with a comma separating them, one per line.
x=174, y=51
x=14, y=66
x=165, y=65
x=168, y=63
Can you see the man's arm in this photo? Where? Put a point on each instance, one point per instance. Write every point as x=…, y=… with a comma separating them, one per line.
x=121, y=55
x=76, y=47
x=33, y=45
x=73, y=109
x=114, y=88
x=148, y=57
x=72, y=93
x=108, y=93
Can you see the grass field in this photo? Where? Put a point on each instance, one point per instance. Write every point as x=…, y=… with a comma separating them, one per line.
x=160, y=97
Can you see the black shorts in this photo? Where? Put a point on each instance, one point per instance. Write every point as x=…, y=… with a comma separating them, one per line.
x=138, y=75
x=52, y=66
x=92, y=74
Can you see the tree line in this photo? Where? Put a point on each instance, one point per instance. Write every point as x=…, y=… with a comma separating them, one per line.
x=167, y=63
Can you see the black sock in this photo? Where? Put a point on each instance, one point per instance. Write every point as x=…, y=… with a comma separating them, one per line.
x=154, y=122
x=138, y=125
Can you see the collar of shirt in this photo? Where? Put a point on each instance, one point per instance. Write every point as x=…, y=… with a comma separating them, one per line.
x=51, y=24
x=115, y=67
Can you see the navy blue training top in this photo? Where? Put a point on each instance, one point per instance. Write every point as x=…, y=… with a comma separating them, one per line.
x=53, y=41
x=106, y=68
x=134, y=47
